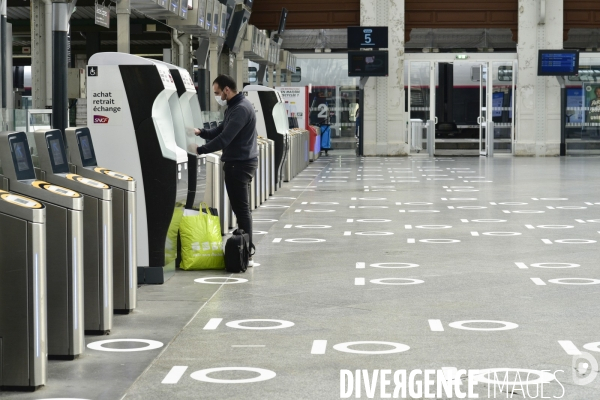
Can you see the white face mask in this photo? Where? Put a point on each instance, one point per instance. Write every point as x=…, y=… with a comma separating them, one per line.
x=221, y=102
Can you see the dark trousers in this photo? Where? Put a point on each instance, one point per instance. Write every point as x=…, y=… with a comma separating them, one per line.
x=238, y=180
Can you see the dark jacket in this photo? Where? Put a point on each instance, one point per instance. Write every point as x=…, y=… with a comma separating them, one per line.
x=236, y=136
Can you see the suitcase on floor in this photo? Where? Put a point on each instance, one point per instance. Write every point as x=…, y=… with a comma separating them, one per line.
x=237, y=252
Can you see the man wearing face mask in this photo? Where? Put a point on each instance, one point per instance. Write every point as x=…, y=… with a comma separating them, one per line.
x=236, y=136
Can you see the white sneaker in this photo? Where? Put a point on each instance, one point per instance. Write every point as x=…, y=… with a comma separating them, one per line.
x=250, y=262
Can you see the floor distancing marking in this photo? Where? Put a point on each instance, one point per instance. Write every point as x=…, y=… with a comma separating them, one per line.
x=213, y=324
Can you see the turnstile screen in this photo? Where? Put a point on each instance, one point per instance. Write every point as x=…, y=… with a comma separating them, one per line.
x=56, y=153
x=86, y=148
x=20, y=156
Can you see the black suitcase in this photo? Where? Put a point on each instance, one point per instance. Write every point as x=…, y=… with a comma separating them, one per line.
x=237, y=252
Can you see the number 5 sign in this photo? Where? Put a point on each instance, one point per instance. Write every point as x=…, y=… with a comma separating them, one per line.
x=371, y=37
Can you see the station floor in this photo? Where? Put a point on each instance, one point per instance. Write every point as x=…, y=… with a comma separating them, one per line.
x=429, y=264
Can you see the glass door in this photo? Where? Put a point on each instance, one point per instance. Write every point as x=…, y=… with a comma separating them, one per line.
x=502, y=106
x=421, y=102
x=482, y=119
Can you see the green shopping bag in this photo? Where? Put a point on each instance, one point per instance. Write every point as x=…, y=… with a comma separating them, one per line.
x=201, y=241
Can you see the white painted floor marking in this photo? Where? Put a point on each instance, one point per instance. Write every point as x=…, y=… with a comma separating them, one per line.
x=350, y=220
x=287, y=227
x=559, y=265
x=396, y=348
x=538, y=281
x=529, y=226
x=474, y=233
x=392, y=265
x=436, y=325
x=505, y=325
x=569, y=347
x=410, y=241
x=263, y=375
x=151, y=345
x=281, y=324
x=572, y=281
x=347, y=233
x=277, y=240
x=522, y=265
x=359, y=281
x=360, y=265
x=174, y=375
x=408, y=226
x=213, y=324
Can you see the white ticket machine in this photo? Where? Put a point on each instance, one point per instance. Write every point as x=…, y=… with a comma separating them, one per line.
x=82, y=159
x=64, y=245
x=97, y=228
x=129, y=118
x=23, y=317
x=271, y=122
x=187, y=115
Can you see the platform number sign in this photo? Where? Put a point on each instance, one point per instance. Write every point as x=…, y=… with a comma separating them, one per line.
x=370, y=37
x=92, y=71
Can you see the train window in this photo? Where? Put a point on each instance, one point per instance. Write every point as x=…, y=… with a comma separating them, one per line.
x=296, y=76
x=505, y=73
x=475, y=73
x=252, y=73
x=587, y=74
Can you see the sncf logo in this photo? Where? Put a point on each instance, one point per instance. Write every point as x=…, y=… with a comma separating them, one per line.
x=99, y=119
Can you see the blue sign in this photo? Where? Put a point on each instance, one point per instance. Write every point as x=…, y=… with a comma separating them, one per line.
x=558, y=63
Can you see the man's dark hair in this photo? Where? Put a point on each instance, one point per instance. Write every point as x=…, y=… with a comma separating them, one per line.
x=224, y=81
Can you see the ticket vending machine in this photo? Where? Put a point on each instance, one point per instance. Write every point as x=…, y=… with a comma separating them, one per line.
x=82, y=159
x=187, y=115
x=23, y=317
x=130, y=121
x=271, y=122
x=64, y=245
x=97, y=228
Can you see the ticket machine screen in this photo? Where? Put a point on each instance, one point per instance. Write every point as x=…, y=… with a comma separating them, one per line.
x=21, y=156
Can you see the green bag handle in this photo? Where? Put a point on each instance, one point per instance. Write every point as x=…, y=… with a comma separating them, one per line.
x=204, y=205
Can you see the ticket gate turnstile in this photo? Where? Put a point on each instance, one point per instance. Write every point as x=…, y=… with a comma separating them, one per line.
x=97, y=229
x=23, y=310
x=224, y=203
x=82, y=158
x=263, y=172
x=64, y=245
x=215, y=194
x=272, y=185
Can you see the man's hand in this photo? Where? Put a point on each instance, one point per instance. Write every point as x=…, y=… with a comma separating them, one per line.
x=201, y=150
x=197, y=131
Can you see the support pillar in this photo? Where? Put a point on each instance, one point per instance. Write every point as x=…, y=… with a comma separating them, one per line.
x=382, y=110
x=538, y=98
x=186, y=40
x=213, y=62
x=92, y=43
x=61, y=13
x=123, y=28
x=38, y=54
